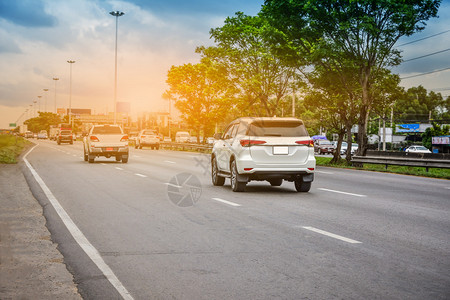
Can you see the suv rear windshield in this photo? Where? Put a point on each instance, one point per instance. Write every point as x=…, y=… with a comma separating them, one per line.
x=289, y=128
x=66, y=132
x=149, y=132
x=107, y=130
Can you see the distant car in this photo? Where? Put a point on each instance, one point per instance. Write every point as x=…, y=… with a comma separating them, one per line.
x=323, y=146
x=182, y=137
x=167, y=139
x=210, y=141
x=344, y=148
x=193, y=139
x=64, y=136
x=147, y=137
x=28, y=134
x=42, y=135
x=417, y=149
x=272, y=149
x=354, y=148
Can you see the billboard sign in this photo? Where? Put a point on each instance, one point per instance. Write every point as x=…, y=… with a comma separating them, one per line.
x=440, y=140
x=407, y=128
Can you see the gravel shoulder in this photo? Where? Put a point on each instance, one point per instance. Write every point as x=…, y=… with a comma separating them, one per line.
x=31, y=267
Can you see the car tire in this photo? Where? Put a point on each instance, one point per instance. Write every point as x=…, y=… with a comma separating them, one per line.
x=135, y=145
x=124, y=160
x=157, y=147
x=302, y=186
x=86, y=156
x=276, y=182
x=91, y=158
x=59, y=142
x=118, y=157
x=236, y=186
x=140, y=146
x=216, y=179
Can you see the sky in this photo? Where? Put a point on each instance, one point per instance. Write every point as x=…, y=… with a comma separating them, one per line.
x=38, y=37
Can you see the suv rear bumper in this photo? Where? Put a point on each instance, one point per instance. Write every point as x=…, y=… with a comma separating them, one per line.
x=105, y=151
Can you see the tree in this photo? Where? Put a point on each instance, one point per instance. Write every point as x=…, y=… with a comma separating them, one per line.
x=247, y=46
x=42, y=122
x=416, y=105
x=361, y=31
x=201, y=92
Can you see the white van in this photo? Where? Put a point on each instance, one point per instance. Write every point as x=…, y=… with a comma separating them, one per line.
x=182, y=137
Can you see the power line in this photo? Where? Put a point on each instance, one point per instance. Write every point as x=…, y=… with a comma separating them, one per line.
x=424, y=38
x=421, y=74
x=426, y=55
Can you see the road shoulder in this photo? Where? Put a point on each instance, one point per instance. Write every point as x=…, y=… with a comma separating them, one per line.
x=31, y=267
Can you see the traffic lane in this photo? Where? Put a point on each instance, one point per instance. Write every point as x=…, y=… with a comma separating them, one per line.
x=419, y=189
x=221, y=213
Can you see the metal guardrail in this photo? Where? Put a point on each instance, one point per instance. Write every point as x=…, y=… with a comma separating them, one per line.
x=187, y=146
x=425, y=160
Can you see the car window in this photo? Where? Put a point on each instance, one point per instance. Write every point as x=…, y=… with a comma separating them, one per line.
x=421, y=148
x=106, y=130
x=325, y=143
x=66, y=132
x=149, y=132
x=229, y=132
x=289, y=128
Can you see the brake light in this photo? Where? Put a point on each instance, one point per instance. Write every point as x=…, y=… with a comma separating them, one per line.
x=309, y=143
x=248, y=143
x=124, y=138
x=94, y=139
x=142, y=136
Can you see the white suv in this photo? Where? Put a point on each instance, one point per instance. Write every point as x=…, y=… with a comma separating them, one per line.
x=272, y=149
x=106, y=140
x=147, y=137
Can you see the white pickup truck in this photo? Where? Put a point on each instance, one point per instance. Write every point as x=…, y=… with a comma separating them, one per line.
x=107, y=141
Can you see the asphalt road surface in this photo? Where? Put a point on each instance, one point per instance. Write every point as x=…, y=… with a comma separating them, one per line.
x=156, y=228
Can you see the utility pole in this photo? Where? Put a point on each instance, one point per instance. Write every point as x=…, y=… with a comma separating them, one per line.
x=45, y=106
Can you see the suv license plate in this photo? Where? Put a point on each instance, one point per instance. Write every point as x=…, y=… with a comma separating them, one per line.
x=109, y=149
x=280, y=150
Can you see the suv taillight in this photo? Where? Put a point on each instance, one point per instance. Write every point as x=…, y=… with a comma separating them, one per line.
x=124, y=138
x=309, y=143
x=248, y=143
x=94, y=138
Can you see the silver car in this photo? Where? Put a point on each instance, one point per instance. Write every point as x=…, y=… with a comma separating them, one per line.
x=272, y=149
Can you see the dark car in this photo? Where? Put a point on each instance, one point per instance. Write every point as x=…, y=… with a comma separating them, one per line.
x=324, y=146
x=64, y=136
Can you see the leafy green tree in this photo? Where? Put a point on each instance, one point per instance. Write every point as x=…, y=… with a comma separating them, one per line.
x=436, y=130
x=42, y=122
x=201, y=92
x=362, y=31
x=257, y=64
x=416, y=105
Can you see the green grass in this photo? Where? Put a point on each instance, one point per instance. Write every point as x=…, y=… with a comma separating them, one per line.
x=10, y=148
x=416, y=171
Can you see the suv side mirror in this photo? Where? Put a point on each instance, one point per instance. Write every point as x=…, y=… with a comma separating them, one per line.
x=217, y=136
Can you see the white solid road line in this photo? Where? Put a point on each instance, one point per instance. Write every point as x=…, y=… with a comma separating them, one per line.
x=118, y=168
x=84, y=243
x=140, y=175
x=339, y=192
x=170, y=162
x=226, y=202
x=339, y=237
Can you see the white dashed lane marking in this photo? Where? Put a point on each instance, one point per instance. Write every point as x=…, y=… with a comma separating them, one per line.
x=339, y=237
x=340, y=192
x=226, y=202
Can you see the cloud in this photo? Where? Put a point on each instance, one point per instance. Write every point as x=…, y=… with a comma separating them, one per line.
x=27, y=13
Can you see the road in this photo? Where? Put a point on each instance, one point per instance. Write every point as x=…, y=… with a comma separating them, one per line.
x=163, y=235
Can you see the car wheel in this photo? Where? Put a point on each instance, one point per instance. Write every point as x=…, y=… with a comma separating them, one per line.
x=86, y=156
x=91, y=158
x=236, y=186
x=135, y=145
x=140, y=146
x=302, y=186
x=124, y=160
x=152, y=147
x=216, y=179
x=276, y=182
x=118, y=157
x=157, y=147
x=59, y=142
x=71, y=142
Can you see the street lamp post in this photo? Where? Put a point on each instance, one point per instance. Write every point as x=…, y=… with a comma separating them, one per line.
x=116, y=14
x=55, y=79
x=45, y=106
x=71, y=62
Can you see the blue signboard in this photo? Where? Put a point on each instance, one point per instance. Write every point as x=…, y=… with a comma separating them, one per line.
x=407, y=128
